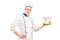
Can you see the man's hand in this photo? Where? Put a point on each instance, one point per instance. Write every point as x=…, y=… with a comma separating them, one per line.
x=43, y=25
x=47, y=21
x=22, y=36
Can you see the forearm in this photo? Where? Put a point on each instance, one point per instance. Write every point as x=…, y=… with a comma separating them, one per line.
x=19, y=35
x=16, y=33
x=39, y=27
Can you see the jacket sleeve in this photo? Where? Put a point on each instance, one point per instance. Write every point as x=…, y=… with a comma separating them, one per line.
x=15, y=24
x=34, y=26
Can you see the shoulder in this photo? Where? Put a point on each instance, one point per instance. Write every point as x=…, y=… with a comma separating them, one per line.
x=19, y=18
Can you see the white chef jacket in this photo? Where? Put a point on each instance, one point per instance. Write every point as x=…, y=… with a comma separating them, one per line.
x=25, y=25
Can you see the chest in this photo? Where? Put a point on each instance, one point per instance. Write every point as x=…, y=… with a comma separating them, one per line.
x=28, y=22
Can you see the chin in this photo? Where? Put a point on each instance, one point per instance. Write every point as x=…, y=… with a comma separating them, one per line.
x=28, y=12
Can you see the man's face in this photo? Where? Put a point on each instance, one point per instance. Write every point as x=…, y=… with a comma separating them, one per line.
x=28, y=10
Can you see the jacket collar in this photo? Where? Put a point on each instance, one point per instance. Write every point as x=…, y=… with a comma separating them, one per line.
x=25, y=14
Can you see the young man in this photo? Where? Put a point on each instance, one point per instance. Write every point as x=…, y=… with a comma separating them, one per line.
x=26, y=25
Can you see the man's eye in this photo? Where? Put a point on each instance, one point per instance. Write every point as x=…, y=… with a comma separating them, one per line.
x=29, y=9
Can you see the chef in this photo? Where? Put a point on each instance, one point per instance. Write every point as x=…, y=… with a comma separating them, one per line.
x=25, y=25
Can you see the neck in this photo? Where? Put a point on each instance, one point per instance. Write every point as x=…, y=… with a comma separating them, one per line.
x=27, y=14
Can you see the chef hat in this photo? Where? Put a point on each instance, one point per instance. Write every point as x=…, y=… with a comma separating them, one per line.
x=28, y=5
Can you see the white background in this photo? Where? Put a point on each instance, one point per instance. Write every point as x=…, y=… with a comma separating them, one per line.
x=9, y=9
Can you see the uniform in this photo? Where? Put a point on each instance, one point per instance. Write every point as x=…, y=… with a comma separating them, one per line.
x=26, y=26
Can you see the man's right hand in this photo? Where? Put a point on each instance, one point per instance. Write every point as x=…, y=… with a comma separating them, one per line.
x=22, y=36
